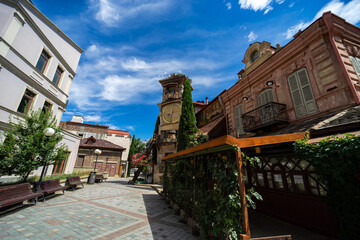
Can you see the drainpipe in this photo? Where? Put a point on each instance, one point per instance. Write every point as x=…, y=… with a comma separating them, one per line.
x=329, y=24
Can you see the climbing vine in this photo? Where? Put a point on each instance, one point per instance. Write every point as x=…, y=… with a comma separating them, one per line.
x=337, y=162
x=206, y=188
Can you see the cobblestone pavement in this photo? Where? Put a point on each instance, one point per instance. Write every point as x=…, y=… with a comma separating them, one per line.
x=110, y=210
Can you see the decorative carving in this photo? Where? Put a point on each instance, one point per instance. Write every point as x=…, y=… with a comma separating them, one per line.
x=353, y=50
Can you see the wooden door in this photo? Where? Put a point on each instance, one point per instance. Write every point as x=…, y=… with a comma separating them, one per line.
x=111, y=169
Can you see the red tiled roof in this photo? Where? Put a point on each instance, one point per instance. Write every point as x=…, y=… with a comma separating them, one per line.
x=87, y=124
x=91, y=142
x=199, y=103
x=118, y=132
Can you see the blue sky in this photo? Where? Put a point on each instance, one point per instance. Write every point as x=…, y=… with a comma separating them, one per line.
x=132, y=44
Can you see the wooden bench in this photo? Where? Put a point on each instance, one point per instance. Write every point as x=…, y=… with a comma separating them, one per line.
x=18, y=193
x=99, y=178
x=73, y=182
x=51, y=186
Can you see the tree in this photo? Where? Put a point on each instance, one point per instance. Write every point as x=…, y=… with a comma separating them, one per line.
x=136, y=146
x=26, y=147
x=187, y=126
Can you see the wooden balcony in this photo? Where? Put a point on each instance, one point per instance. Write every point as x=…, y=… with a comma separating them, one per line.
x=269, y=114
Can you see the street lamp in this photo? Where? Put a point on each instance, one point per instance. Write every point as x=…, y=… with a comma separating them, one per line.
x=91, y=179
x=48, y=132
x=97, y=152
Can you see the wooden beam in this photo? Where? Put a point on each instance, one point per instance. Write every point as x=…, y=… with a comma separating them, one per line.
x=241, y=143
x=242, y=191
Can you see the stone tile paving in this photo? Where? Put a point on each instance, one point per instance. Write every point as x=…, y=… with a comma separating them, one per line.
x=111, y=210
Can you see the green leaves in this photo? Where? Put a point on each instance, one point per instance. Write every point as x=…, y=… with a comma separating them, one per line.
x=337, y=162
x=26, y=147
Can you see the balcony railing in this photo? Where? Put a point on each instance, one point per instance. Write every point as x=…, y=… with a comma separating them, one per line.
x=266, y=115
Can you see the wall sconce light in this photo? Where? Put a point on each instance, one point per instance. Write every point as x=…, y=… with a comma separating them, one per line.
x=269, y=83
x=245, y=98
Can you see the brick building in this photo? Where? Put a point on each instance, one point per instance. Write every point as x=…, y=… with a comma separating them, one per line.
x=311, y=84
x=108, y=161
x=114, y=139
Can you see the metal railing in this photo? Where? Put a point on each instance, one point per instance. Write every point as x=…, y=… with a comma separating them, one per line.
x=266, y=115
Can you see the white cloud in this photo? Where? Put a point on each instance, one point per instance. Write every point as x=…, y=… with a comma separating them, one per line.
x=228, y=5
x=107, y=13
x=258, y=5
x=291, y=5
x=132, y=128
x=92, y=118
x=134, y=64
x=252, y=36
x=111, y=12
x=294, y=29
x=349, y=11
x=268, y=9
x=254, y=4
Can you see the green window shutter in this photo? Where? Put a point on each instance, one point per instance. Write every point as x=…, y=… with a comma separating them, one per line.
x=302, y=94
x=265, y=97
x=308, y=96
x=296, y=96
x=238, y=111
x=356, y=63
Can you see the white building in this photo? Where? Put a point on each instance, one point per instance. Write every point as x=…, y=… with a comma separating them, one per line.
x=37, y=66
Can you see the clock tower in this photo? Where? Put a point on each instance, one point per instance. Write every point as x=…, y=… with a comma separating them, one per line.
x=170, y=112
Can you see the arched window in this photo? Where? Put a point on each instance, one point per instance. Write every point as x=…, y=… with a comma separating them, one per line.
x=265, y=97
x=266, y=112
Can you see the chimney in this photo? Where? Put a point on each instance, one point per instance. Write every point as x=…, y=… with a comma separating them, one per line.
x=207, y=100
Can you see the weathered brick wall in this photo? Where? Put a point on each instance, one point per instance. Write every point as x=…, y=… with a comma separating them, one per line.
x=311, y=50
x=106, y=156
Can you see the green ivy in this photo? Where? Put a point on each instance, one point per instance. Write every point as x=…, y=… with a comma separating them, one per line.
x=337, y=162
x=206, y=188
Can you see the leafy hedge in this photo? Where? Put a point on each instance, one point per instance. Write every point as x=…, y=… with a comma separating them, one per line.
x=337, y=162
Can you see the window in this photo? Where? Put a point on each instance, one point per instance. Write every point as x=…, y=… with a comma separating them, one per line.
x=238, y=111
x=26, y=101
x=59, y=166
x=57, y=76
x=266, y=113
x=42, y=62
x=302, y=94
x=254, y=56
x=265, y=97
x=80, y=161
x=356, y=63
x=47, y=107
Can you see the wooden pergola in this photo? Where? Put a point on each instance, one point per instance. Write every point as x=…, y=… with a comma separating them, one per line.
x=228, y=142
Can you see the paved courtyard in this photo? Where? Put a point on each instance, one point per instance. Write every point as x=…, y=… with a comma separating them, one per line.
x=111, y=210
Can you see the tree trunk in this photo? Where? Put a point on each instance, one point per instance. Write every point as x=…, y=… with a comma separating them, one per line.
x=136, y=175
x=26, y=176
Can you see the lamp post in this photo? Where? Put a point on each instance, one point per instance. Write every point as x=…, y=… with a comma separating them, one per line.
x=91, y=179
x=48, y=132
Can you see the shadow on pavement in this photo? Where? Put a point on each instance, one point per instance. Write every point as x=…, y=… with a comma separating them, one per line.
x=164, y=224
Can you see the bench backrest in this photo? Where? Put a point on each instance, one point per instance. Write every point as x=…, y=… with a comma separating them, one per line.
x=14, y=191
x=99, y=176
x=73, y=179
x=50, y=183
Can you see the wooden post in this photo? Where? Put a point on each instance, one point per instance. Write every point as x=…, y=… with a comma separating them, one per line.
x=245, y=216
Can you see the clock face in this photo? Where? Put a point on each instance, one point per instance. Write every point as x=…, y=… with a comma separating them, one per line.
x=171, y=113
